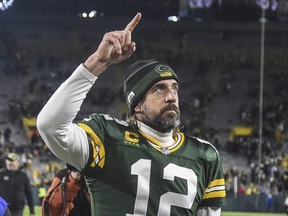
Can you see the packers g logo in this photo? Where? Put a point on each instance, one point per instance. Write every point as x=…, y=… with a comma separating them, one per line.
x=164, y=70
x=131, y=137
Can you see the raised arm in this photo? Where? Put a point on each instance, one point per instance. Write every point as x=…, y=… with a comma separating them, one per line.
x=115, y=47
x=55, y=121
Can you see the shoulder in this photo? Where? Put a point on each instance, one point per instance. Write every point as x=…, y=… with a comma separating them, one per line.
x=22, y=174
x=204, y=148
x=101, y=121
x=104, y=118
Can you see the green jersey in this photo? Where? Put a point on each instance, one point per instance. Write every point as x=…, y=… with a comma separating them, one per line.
x=128, y=173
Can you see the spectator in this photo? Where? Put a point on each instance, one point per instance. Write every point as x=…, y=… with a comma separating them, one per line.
x=42, y=192
x=77, y=199
x=7, y=134
x=269, y=202
x=15, y=186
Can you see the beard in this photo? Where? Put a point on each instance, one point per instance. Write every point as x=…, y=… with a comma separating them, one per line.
x=167, y=119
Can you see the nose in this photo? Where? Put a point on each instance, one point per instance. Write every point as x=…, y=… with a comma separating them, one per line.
x=171, y=95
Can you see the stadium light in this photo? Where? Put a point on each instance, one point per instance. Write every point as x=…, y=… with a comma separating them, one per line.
x=173, y=18
x=5, y=4
x=92, y=14
x=200, y=3
x=266, y=4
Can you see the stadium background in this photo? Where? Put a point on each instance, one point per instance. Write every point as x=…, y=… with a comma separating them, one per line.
x=215, y=46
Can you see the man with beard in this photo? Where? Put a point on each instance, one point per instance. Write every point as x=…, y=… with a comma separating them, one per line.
x=141, y=166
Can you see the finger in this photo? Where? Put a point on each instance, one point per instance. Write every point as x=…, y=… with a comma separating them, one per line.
x=120, y=35
x=127, y=41
x=117, y=45
x=112, y=40
x=131, y=48
x=130, y=27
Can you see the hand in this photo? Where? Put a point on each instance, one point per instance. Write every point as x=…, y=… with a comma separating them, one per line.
x=76, y=176
x=115, y=47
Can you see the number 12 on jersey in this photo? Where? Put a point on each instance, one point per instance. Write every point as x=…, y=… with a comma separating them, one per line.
x=142, y=169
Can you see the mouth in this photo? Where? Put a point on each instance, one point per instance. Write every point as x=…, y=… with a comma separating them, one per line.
x=171, y=109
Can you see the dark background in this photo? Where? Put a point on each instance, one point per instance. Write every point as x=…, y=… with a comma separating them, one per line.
x=220, y=10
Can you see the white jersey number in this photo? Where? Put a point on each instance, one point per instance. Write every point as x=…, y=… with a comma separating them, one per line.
x=142, y=168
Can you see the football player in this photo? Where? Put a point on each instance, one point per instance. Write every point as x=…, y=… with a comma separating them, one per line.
x=141, y=166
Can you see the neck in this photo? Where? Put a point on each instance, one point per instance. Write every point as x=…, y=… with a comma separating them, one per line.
x=166, y=139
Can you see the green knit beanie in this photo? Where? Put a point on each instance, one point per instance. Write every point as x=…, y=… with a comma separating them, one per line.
x=141, y=76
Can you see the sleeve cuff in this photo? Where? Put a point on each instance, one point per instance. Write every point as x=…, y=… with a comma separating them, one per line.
x=87, y=74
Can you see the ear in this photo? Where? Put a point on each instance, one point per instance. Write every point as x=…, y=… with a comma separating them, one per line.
x=137, y=108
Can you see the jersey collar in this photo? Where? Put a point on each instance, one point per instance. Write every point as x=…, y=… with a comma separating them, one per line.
x=163, y=142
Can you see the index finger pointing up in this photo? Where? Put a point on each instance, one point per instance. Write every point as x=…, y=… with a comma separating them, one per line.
x=130, y=27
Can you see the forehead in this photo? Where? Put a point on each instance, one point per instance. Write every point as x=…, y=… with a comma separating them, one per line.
x=166, y=82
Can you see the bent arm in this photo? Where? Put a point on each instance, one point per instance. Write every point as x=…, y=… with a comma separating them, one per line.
x=55, y=121
x=64, y=138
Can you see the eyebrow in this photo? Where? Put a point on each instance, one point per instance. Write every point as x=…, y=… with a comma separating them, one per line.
x=157, y=85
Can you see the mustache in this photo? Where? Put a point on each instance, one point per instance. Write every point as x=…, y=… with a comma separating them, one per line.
x=171, y=107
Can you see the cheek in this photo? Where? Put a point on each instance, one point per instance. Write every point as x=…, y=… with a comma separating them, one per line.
x=152, y=107
x=148, y=110
x=157, y=102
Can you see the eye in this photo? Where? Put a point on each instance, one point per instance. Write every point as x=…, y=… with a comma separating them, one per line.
x=160, y=90
x=175, y=89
